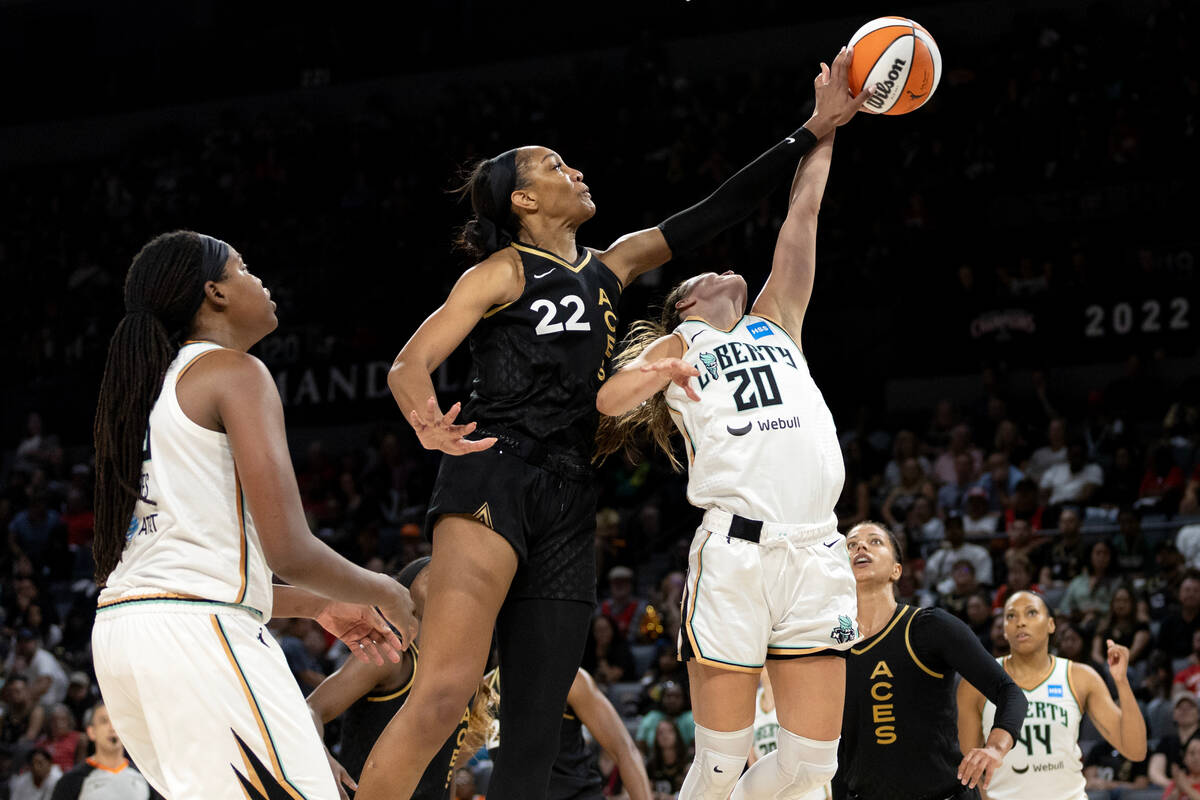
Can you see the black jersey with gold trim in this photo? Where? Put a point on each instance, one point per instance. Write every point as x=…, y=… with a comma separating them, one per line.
x=365, y=720
x=539, y=360
x=899, y=724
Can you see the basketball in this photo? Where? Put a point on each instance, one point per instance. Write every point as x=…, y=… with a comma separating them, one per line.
x=899, y=58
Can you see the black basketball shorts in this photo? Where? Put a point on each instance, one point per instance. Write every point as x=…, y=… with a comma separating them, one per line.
x=546, y=512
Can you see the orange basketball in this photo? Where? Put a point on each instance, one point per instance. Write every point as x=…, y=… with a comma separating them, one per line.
x=899, y=58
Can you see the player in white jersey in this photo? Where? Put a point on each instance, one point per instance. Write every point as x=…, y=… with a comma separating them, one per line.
x=196, y=506
x=1045, y=762
x=769, y=579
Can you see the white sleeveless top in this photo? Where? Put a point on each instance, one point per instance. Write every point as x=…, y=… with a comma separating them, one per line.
x=191, y=535
x=1045, y=762
x=761, y=441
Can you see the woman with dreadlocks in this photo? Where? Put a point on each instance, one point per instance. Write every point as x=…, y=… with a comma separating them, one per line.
x=769, y=581
x=196, y=506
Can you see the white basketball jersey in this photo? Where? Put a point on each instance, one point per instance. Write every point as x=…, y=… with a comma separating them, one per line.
x=761, y=441
x=191, y=534
x=766, y=726
x=1045, y=762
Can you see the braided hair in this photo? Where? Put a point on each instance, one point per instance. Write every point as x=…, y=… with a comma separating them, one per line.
x=164, y=289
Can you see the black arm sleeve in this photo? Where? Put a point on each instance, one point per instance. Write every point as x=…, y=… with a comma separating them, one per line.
x=736, y=197
x=947, y=642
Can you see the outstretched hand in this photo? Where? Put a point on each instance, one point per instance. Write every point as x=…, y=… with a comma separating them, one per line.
x=363, y=630
x=437, y=431
x=678, y=371
x=835, y=104
x=978, y=765
x=1118, y=660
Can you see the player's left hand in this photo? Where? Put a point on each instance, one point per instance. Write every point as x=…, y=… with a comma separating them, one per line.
x=363, y=630
x=978, y=765
x=1118, y=660
x=340, y=776
x=678, y=372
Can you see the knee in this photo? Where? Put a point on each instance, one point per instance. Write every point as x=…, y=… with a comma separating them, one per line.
x=720, y=758
x=809, y=762
x=440, y=705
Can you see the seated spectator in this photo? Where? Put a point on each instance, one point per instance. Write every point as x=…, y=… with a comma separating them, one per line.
x=903, y=496
x=1121, y=481
x=607, y=656
x=1075, y=644
x=32, y=530
x=947, y=467
x=854, y=503
x=1157, y=695
x=38, y=781
x=956, y=548
x=668, y=761
x=611, y=546
x=1064, y=554
x=999, y=481
x=1089, y=594
x=1189, y=676
x=1072, y=482
x=66, y=746
x=1009, y=440
x=1024, y=506
x=1187, y=541
x=1185, y=780
x=1021, y=541
x=1163, y=482
x=1132, y=549
x=1107, y=770
x=621, y=605
x=666, y=666
x=1020, y=578
x=979, y=520
x=1127, y=623
x=1168, y=755
x=464, y=785
x=47, y=678
x=1181, y=622
x=979, y=617
x=962, y=585
x=1190, y=504
x=80, y=695
x=672, y=708
x=1162, y=587
x=952, y=496
x=23, y=716
x=905, y=446
x=1053, y=452
x=303, y=644
x=925, y=531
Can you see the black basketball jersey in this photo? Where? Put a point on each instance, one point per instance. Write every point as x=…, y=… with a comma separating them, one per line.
x=899, y=725
x=364, y=721
x=574, y=775
x=539, y=360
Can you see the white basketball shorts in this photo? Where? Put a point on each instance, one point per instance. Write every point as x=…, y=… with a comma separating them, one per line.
x=203, y=700
x=789, y=594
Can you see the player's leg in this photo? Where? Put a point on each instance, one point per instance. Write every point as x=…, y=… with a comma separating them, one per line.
x=723, y=710
x=469, y=575
x=541, y=644
x=809, y=694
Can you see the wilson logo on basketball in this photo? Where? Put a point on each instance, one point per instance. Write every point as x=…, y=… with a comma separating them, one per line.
x=883, y=89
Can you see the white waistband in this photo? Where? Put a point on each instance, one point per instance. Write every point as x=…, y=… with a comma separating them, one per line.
x=717, y=521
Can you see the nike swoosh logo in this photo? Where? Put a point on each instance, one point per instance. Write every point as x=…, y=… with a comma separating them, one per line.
x=1022, y=770
x=544, y=274
x=717, y=769
x=830, y=544
x=790, y=140
x=738, y=431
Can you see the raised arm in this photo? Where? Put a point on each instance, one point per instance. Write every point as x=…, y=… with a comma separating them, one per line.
x=496, y=281
x=635, y=253
x=606, y=726
x=1122, y=725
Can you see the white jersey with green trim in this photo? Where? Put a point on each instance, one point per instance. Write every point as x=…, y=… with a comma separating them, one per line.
x=761, y=442
x=1045, y=762
x=190, y=535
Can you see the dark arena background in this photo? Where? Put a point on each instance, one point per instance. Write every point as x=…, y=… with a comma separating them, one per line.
x=1006, y=272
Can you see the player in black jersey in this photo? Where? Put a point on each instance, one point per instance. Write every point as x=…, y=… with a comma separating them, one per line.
x=575, y=775
x=370, y=694
x=512, y=516
x=900, y=725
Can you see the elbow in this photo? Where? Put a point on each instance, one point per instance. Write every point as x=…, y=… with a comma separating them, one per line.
x=1134, y=753
x=609, y=404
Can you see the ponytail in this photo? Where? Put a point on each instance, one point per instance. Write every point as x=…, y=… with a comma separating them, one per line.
x=490, y=184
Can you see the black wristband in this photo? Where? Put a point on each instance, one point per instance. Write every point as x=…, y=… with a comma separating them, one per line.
x=738, y=196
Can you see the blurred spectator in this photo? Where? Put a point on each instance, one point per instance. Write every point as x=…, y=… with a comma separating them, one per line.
x=950, y=468
x=31, y=530
x=38, y=781
x=1181, y=622
x=1020, y=578
x=999, y=481
x=621, y=605
x=668, y=762
x=66, y=745
x=107, y=775
x=1024, y=506
x=979, y=617
x=963, y=584
x=1185, y=781
x=1121, y=481
x=23, y=716
x=1052, y=453
x=1072, y=482
x=672, y=707
x=1088, y=594
x=610, y=545
x=303, y=645
x=956, y=548
x=1168, y=755
x=464, y=785
x=1064, y=553
x=1075, y=644
x=1188, y=543
x=80, y=696
x=1163, y=482
x=979, y=520
x=33, y=450
x=47, y=678
x=1189, y=676
x=854, y=503
x=1107, y=770
x=607, y=656
x=902, y=496
x=1127, y=623
x=1190, y=504
x=1162, y=587
x=925, y=531
x=666, y=666
x=1132, y=549
x=999, y=643
x=905, y=446
x=952, y=496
